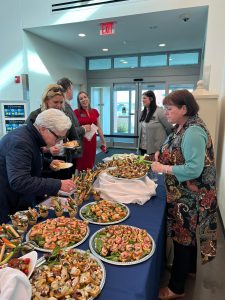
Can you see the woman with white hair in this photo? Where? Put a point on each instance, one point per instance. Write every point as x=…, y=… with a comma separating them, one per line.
x=21, y=163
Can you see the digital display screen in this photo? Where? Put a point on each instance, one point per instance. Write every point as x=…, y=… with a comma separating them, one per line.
x=13, y=124
x=14, y=111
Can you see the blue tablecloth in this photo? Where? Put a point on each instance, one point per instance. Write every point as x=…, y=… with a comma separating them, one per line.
x=140, y=281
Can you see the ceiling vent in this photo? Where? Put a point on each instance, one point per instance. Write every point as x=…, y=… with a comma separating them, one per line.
x=63, y=6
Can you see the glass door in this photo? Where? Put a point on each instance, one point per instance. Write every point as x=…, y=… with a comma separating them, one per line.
x=100, y=100
x=158, y=88
x=119, y=106
x=124, y=118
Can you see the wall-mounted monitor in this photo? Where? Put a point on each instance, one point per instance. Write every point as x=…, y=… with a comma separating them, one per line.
x=14, y=110
x=13, y=124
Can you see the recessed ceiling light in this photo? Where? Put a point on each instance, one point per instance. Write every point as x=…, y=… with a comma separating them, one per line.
x=162, y=45
x=153, y=27
x=125, y=62
x=82, y=34
x=105, y=49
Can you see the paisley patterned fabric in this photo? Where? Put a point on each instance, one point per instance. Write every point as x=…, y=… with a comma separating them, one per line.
x=191, y=204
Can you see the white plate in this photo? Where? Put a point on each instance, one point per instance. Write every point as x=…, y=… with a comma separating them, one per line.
x=65, y=165
x=33, y=259
x=108, y=223
x=62, y=193
x=106, y=159
x=91, y=246
x=71, y=146
x=49, y=250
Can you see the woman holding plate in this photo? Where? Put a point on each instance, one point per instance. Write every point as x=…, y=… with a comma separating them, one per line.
x=87, y=115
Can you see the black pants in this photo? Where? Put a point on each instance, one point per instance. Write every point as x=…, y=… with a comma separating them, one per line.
x=184, y=262
x=143, y=151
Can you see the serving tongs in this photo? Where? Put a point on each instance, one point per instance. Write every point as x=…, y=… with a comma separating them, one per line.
x=40, y=261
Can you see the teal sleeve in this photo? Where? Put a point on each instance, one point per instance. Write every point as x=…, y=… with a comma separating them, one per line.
x=193, y=148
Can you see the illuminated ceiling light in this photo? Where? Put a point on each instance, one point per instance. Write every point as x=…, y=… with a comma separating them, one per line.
x=105, y=49
x=122, y=60
x=82, y=34
x=125, y=62
x=162, y=45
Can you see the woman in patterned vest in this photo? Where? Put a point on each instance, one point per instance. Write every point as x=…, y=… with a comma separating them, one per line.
x=187, y=160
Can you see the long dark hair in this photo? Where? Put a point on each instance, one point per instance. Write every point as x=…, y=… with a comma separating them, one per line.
x=152, y=108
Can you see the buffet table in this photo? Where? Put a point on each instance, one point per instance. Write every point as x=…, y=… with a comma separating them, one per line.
x=141, y=281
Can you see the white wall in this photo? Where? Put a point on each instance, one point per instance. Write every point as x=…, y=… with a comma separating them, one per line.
x=97, y=12
x=11, y=50
x=48, y=62
x=214, y=62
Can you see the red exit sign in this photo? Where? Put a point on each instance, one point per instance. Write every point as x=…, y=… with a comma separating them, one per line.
x=107, y=28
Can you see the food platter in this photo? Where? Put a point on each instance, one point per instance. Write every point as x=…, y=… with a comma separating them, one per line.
x=136, y=256
x=86, y=214
x=59, y=235
x=92, y=277
x=126, y=179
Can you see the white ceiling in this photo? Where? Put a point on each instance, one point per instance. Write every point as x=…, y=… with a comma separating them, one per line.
x=133, y=34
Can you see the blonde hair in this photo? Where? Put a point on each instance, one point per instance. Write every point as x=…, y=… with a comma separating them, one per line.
x=51, y=91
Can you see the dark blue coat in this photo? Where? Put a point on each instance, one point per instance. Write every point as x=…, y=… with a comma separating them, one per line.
x=20, y=169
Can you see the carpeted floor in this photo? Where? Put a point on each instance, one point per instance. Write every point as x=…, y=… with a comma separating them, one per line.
x=112, y=151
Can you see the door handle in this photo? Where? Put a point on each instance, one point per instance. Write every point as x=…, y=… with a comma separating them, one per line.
x=131, y=114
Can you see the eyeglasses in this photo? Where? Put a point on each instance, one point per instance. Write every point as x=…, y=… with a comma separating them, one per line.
x=58, y=138
x=56, y=89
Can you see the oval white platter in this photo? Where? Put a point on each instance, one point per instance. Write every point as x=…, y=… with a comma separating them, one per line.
x=92, y=248
x=127, y=179
x=50, y=250
x=101, y=266
x=106, y=223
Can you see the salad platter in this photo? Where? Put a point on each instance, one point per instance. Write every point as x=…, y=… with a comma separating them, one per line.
x=104, y=212
x=66, y=233
x=117, y=245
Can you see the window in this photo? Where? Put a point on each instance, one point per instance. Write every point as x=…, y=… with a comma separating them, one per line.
x=145, y=60
x=176, y=59
x=126, y=62
x=99, y=64
x=184, y=86
x=154, y=60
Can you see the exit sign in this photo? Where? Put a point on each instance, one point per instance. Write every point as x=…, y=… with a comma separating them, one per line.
x=107, y=28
